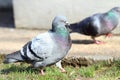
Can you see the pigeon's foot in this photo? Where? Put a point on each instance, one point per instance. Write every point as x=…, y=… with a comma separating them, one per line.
x=63, y=70
x=108, y=35
x=58, y=64
x=42, y=72
x=98, y=42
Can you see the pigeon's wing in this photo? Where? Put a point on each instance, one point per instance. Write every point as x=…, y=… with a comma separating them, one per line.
x=38, y=48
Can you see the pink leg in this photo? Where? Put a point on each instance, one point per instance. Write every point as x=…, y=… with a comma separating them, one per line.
x=42, y=72
x=96, y=41
x=58, y=64
x=62, y=70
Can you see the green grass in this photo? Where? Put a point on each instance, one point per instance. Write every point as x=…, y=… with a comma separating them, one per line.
x=97, y=71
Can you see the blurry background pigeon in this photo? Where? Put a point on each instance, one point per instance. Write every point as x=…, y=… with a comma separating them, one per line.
x=46, y=48
x=98, y=24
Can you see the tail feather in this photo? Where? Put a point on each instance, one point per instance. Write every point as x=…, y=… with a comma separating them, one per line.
x=13, y=57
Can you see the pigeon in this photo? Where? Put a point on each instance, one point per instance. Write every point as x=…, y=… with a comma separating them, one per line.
x=45, y=49
x=98, y=24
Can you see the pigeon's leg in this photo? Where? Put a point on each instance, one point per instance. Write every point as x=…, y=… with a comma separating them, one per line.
x=58, y=64
x=108, y=35
x=37, y=65
x=42, y=72
x=97, y=41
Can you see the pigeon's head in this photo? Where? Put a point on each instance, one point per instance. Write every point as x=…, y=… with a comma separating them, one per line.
x=59, y=22
x=116, y=10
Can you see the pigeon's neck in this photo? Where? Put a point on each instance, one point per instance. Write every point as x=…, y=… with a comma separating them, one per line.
x=62, y=32
x=111, y=14
x=111, y=19
x=62, y=37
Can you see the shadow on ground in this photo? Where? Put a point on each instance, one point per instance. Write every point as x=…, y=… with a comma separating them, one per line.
x=82, y=41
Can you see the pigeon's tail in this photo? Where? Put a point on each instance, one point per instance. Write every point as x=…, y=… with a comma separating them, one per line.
x=13, y=57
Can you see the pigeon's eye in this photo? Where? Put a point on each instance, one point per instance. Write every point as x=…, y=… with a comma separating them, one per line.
x=63, y=21
x=118, y=10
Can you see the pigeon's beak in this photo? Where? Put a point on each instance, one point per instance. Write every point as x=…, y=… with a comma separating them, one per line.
x=67, y=26
x=66, y=23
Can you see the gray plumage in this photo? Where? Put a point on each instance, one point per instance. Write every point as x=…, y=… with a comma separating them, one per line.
x=98, y=24
x=45, y=49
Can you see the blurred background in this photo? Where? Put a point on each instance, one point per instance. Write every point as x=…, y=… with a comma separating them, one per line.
x=6, y=14
x=39, y=13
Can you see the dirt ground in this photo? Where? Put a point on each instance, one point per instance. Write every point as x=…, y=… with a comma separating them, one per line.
x=13, y=39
